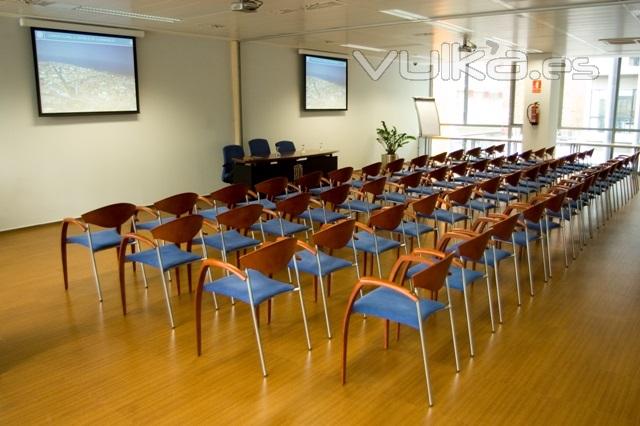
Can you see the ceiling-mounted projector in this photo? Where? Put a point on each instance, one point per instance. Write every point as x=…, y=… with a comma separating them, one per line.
x=467, y=46
x=246, y=5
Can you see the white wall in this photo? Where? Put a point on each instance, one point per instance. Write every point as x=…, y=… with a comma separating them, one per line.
x=271, y=106
x=52, y=167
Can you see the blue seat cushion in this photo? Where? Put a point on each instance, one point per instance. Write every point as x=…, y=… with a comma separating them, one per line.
x=505, y=197
x=520, y=189
x=233, y=240
x=538, y=227
x=410, y=228
x=364, y=241
x=262, y=287
x=171, y=256
x=389, y=304
x=307, y=263
x=455, y=275
x=212, y=213
x=153, y=223
x=267, y=204
x=319, y=190
x=566, y=213
x=360, y=206
x=447, y=216
x=480, y=205
x=393, y=197
x=100, y=240
x=427, y=190
x=520, y=237
x=287, y=195
x=321, y=215
x=272, y=227
x=500, y=256
x=447, y=184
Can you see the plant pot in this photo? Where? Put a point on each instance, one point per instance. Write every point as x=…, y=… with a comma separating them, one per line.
x=387, y=158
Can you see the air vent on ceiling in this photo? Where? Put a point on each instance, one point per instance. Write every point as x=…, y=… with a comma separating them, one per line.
x=621, y=41
x=310, y=7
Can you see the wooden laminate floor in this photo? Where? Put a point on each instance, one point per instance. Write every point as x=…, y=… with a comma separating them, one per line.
x=569, y=355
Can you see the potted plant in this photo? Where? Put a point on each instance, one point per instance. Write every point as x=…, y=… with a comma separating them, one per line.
x=391, y=140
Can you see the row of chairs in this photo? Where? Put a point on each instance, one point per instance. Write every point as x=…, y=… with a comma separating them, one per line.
x=234, y=215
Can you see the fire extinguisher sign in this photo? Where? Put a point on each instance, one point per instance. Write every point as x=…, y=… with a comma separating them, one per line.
x=536, y=86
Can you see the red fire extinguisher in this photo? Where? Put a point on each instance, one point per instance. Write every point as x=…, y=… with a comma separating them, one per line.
x=533, y=113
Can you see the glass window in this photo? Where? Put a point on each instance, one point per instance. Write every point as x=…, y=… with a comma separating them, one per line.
x=518, y=101
x=627, y=113
x=488, y=101
x=587, y=103
x=449, y=96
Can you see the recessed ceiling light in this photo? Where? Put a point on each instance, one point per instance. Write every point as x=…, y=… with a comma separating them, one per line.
x=399, y=13
x=451, y=27
x=126, y=14
x=361, y=47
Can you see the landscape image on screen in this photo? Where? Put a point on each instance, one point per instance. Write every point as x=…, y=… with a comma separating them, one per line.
x=85, y=73
x=325, y=83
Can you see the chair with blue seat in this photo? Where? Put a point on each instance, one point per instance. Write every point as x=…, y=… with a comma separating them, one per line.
x=530, y=214
x=455, y=156
x=427, y=187
x=392, y=167
x=485, y=191
x=111, y=218
x=229, y=153
x=282, y=219
x=222, y=200
x=307, y=182
x=416, y=213
x=165, y=253
x=454, y=173
x=401, y=188
x=176, y=206
x=363, y=199
x=391, y=302
x=473, y=154
x=285, y=147
x=253, y=283
x=327, y=205
x=269, y=191
x=367, y=173
x=456, y=198
x=233, y=227
x=417, y=164
x=319, y=261
x=502, y=229
x=369, y=242
x=259, y=148
x=334, y=178
x=468, y=247
x=554, y=208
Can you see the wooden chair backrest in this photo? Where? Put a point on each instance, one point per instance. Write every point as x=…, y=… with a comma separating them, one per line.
x=308, y=181
x=490, y=185
x=420, y=161
x=474, y=248
x=340, y=176
x=433, y=277
x=111, y=216
x=480, y=166
x=497, y=161
x=388, y=218
x=272, y=187
x=336, y=195
x=550, y=151
x=461, y=195
x=293, y=206
x=499, y=148
x=535, y=212
x=425, y=205
x=411, y=180
x=438, y=158
x=504, y=229
x=270, y=258
x=531, y=173
x=374, y=187
x=240, y=217
x=336, y=235
x=372, y=169
x=230, y=195
x=513, y=178
x=526, y=155
x=456, y=155
x=513, y=158
x=181, y=230
x=394, y=166
x=439, y=174
x=474, y=152
x=556, y=202
x=459, y=169
x=178, y=204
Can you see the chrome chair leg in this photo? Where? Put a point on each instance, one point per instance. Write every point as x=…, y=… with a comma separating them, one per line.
x=424, y=355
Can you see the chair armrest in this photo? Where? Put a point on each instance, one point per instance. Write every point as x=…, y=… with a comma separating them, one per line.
x=364, y=227
x=138, y=237
x=356, y=192
x=211, y=224
x=252, y=193
x=294, y=187
x=146, y=210
x=306, y=247
x=67, y=220
x=271, y=213
x=205, y=200
x=377, y=282
x=316, y=202
x=325, y=180
x=208, y=263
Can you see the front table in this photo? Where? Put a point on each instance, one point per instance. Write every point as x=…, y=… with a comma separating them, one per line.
x=252, y=170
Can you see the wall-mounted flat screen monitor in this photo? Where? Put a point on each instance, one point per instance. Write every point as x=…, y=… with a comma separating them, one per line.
x=84, y=73
x=325, y=83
